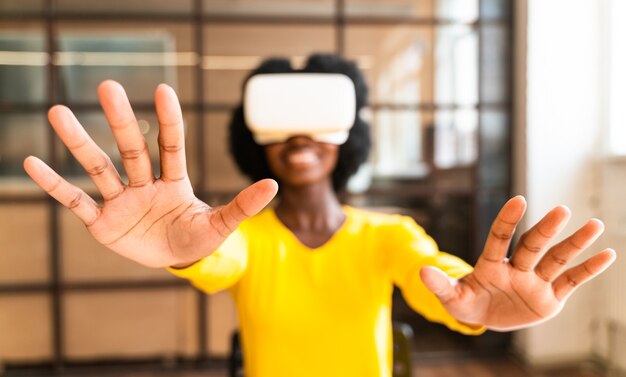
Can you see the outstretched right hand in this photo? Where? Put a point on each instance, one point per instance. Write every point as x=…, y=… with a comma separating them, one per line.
x=155, y=222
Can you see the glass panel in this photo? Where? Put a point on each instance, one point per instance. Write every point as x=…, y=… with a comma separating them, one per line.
x=23, y=60
x=124, y=6
x=615, y=138
x=271, y=8
x=452, y=224
x=222, y=174
x=26, y=329
x=16, y=7
x=455, y=138
x=495, y=9
x=98, y=128
x=397, y=61
x=489, y=203
x=494, y=144
x=389, y=8
x=20, y=135
x=398, y=143
x=495, y=70
x=456, y=72
x=127, y=324
x=24, y=258
x=458, y=10
x=139, y=56
x=235, y=49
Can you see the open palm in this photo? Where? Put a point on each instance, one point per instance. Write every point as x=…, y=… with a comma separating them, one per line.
x=155, y=222
x=531, y=287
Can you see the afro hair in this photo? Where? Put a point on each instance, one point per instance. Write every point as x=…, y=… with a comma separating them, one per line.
x=250, y=156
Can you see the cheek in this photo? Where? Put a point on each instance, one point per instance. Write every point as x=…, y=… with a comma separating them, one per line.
x=272, y=153
x=331, y=155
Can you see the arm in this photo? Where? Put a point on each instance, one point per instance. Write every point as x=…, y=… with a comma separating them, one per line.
x=410, y=250
x=220, y=270
x=157, y=222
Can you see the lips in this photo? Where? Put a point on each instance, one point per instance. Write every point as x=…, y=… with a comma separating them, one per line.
x=302, y=157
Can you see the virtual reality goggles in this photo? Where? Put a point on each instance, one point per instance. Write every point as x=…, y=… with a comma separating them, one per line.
x=319, y=105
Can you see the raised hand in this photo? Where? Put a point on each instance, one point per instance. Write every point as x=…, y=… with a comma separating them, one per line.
x=531, y=287
x=155, y=222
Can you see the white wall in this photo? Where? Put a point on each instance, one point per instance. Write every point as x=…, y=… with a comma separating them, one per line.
x=559, y=126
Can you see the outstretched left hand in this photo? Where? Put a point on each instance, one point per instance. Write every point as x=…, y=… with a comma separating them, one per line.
x=508, y=294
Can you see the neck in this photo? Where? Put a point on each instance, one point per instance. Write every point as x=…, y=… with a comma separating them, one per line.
x=310, y=207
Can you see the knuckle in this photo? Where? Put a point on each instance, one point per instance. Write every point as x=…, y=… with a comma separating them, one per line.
x=558, y=260
x=75, y=202
x=141, y=182
x=574, y=245
x=171, y=148
x=542, y=275
x=572, y=282
x=504, y=236
x=219, y=228
x=133, y=154
x=54, y=186
x=531, y=248
x=99, y=168
x=120, y=124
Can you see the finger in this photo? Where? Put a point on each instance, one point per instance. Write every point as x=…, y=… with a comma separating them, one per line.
x=534, y=241
x=247, y=203
x=573, y=278
x=95, y=162
x=502, y=230
x=81, y=204
x=171, y=134
x=439, y=283
x=553, y=263
x=130, y=142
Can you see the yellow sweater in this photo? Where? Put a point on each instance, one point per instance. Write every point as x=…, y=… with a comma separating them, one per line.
x=325, y=311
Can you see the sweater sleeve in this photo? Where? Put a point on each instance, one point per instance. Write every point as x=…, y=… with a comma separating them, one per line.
x=220, y=270
x=411, y=249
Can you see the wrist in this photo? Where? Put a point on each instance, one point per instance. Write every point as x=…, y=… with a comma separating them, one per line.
x=183, y=265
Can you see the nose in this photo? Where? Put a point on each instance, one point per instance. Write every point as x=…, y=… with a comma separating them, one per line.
x=300, y=140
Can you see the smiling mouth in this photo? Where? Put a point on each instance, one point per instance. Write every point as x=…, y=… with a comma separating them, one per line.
x=302, y=157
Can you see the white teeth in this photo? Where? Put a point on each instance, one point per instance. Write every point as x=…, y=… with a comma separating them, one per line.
x=302, y=157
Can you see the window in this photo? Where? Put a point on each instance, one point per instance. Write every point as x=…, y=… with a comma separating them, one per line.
x=617, y=78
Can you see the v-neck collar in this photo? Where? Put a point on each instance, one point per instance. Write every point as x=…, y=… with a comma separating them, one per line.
x=337, y=234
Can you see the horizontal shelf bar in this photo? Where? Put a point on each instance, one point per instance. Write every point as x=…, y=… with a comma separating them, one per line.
x=217, y=107
x=17, y=288
x=406, y=188
x=92, y=286
x=296, y=20
x=124, y=285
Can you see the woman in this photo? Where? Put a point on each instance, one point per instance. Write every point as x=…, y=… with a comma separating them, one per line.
x=312, y=279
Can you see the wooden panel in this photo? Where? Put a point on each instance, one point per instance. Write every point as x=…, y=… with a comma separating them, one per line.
x=129, y=324
x=24, y=243
x=25, y=328
x=222, y=173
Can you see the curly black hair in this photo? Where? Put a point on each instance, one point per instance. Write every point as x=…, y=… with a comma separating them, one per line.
x=250, y=156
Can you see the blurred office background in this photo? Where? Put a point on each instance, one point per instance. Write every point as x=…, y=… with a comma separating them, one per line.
x=471, y=101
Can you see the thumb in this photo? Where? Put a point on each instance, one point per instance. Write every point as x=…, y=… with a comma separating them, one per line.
x=248, y=202
x=253, y=199
x=439, y=283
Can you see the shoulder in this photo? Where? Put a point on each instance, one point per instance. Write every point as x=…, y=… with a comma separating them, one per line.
x=261, y=221
x=381, y=221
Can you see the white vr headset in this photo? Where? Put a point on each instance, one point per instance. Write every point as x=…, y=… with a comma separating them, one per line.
x=319, y=105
